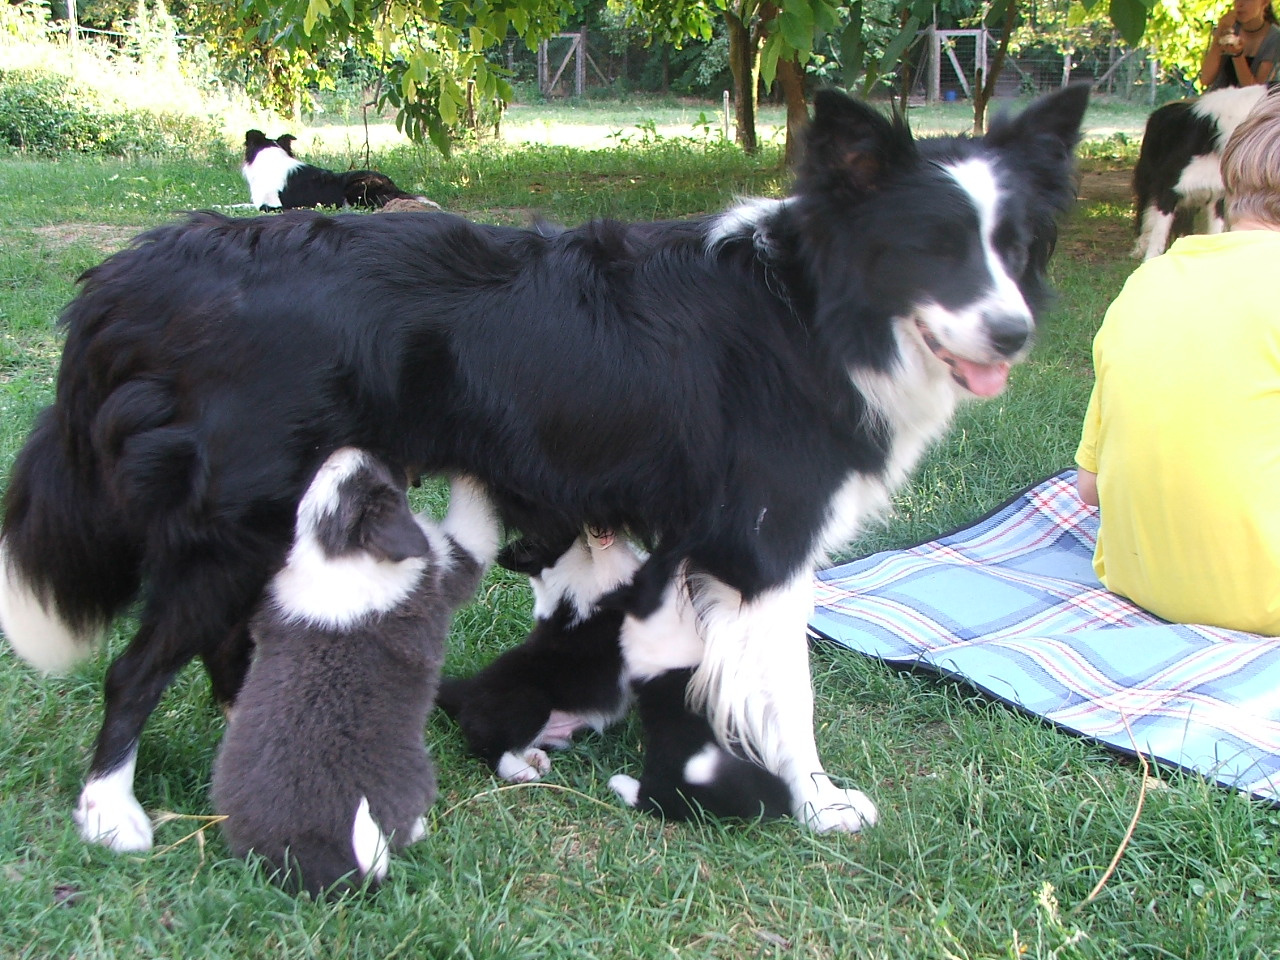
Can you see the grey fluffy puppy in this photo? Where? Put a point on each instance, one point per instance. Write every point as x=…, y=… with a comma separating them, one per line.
x=323, y=770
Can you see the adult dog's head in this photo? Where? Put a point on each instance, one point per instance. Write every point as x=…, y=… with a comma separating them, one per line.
x=946, y=237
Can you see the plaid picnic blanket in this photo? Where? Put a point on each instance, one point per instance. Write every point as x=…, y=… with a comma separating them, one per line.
x=1011, y=605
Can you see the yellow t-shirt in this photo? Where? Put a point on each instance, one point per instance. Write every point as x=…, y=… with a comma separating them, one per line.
x=1183, y=431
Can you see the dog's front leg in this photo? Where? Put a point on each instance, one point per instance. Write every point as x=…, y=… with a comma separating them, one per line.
x=755, y=686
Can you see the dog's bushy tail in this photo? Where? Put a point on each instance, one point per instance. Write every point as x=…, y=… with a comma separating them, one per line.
x=66, y=566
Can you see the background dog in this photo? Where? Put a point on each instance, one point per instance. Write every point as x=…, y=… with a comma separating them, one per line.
x=278, y=180
x=738, y=392
x=323, y=770
x=1178, y=165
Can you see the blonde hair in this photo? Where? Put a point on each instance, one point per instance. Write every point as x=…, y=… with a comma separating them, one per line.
x=1251, y=165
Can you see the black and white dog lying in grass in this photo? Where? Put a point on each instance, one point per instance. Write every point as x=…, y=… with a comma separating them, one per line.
x=278, y=180
x=323, y=770
x=738, y=392
x=581, y=666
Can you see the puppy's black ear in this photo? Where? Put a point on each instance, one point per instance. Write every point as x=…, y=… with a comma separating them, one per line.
x=850, y=147
x=388, y=531
x=255, y=138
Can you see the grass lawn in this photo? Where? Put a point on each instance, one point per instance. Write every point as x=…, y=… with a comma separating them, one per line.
x=995, y=828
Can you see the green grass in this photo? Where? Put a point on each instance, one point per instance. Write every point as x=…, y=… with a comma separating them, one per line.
x=995, y=827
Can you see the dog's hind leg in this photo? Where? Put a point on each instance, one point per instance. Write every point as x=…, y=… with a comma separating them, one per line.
x=755, y=687
x=193, y=610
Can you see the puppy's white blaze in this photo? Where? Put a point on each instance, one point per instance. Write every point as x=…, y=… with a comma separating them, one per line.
x=627, y=788
x=472, y=520
x=746, y=218
x=582, y=576
x=965, y=334
x=668, y=639
x=335, y=593
x=267, y=174
x=108, y=813
x=36, y=633
x=700, y=769
x=369, y=843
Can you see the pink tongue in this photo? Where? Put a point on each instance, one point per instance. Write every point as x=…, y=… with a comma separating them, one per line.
x=979, y=379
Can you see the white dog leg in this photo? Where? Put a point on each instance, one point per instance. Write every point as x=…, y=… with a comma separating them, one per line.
x=109, y=814
x=755, y=686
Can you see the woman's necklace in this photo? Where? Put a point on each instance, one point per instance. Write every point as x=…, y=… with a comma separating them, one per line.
x=1261, y=23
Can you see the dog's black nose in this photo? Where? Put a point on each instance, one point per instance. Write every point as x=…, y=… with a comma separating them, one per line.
x=1008, y=333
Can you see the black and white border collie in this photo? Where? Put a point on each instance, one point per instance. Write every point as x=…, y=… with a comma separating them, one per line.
x=581, y=666
x=280, y=181
x=1178, y=168
x=739, y=392
x=323, y=771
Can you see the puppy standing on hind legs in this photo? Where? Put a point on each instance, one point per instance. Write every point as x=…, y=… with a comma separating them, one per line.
x=323, y=770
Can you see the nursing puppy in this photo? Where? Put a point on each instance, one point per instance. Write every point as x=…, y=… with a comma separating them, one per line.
x=323, y=770
x=566, y=676
x=581, y=666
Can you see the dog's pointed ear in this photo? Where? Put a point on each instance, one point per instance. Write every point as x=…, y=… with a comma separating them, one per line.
x=850, y=147
x=255, y=138
x=1054, y=119
x=388, y=531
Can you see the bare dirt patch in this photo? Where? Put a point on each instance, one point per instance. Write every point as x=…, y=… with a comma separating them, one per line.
x=107, y=237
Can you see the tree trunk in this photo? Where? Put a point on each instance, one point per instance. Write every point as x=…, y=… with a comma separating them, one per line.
x=744, y=64
x=791, y=81
x=985, y=87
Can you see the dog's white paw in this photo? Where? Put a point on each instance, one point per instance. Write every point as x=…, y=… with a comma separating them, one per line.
x=524, y=767
x=627, y=788
x=831, y=809
x=111, y=818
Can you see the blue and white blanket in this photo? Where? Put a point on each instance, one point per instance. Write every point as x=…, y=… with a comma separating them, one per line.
x=1011, y=604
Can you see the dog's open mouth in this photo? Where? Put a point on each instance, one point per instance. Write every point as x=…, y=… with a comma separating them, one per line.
x=980, y=379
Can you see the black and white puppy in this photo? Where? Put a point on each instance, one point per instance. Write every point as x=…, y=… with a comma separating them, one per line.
x=1178, y=165
x=323, y=770
x=567, y=675
x=280, y=181
x=581, y=666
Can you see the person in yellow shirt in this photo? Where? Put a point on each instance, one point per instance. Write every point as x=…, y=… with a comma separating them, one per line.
x=1180, y=448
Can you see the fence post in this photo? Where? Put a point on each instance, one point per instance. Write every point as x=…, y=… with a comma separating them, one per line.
x=580, y=65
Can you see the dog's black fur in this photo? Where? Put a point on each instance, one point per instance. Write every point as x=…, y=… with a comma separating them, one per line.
x=323, y=770
x=738, y=392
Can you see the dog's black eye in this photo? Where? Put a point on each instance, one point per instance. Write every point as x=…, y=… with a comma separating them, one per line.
x=1011, y=246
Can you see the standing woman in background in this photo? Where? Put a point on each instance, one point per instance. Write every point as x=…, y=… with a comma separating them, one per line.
x=1244, y=48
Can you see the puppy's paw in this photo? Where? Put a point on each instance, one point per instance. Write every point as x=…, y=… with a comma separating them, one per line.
x=627, y=788
x=524, y=767
x=831, y=809
x=110, y=816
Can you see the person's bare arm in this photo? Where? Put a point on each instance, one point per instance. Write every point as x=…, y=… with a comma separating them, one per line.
x=1087, y=486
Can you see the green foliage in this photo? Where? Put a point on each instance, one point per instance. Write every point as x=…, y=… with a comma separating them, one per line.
x=44, y=112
